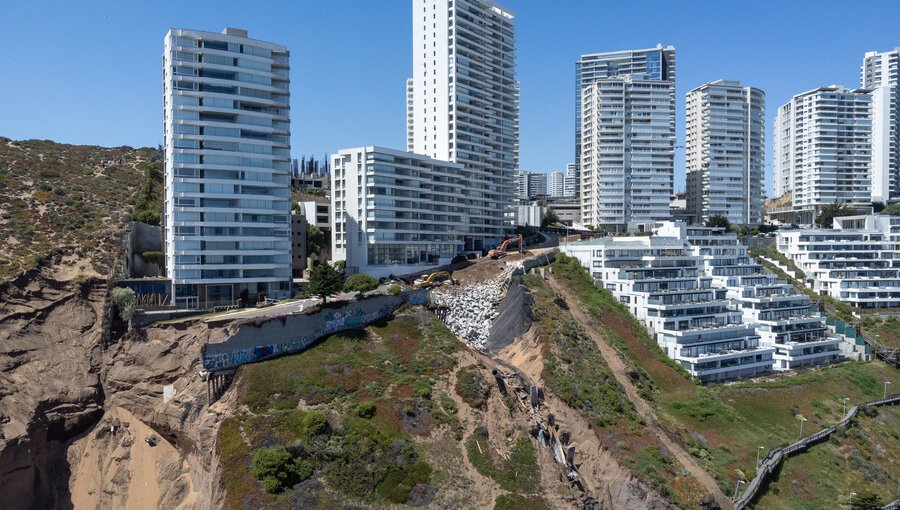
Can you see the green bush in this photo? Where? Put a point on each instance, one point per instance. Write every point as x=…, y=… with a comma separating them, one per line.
x=125, y=301
x=147, y=216
x=393, y=290
x=365, y=410
x=360, y=282
x=276, y=468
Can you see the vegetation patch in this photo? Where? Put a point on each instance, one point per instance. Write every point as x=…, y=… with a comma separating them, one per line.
x=356, y=439
x=518, y=474
x=472, y=386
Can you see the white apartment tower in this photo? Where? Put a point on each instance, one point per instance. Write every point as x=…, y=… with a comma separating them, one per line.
x=625, y=140
x=725, y=156
x=656, y=64
x=464, y=100
x=881, y=74
x=557, y=184
x=226, y=218
x=823, y=149
x=570, y=183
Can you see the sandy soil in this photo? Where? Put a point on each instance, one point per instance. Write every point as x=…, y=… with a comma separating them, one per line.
x=120, y=470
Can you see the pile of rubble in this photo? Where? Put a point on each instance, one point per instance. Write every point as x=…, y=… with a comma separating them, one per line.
x=470, y=311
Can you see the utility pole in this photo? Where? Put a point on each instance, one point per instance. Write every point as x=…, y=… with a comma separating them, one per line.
x=736, y=486
x=845, y=406
x=886, y=382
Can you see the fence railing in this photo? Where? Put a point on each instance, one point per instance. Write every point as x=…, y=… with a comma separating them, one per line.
x=775, y=456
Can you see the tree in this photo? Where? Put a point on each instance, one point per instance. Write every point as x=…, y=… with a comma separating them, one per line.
x=550, y=218
x=865, y=499
x=718, y=220
x=360, y=282
x=276, y=468
x=825, y=219
x=325, y=280
x=892, y=210
x=315, y=240
x=125, y=300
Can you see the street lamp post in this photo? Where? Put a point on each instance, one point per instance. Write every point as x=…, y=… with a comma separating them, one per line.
x=802, y=419
x=758, y=449
x=736, y=486
x=886, y=382
x=845, y=406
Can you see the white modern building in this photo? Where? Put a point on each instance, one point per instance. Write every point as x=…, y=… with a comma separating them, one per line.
x=725, y=152
x=396, y=212
x=627, y=151
x=783, y=318
x=823, y=149
x=857, y=261
x=570, y=183
x=463, y=101
x=557, y=184
x=880, y=73
x=226, y=219
x=664, y=285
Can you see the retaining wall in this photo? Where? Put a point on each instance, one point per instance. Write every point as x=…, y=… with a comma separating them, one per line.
x=775, y=456
x=258, y=339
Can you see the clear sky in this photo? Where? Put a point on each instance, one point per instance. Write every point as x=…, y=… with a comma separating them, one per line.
x=89, y=72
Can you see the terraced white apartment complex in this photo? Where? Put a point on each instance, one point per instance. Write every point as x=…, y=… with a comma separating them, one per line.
x=226, y=220
x=463, y=102
x=396, y=212
x=857, y=261
x=781, y=316
x=725, y=152
x=663, y=283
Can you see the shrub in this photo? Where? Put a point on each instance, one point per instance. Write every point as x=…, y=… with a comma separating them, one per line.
x=125, y=300
x=147, y=216
x=458, y=259
x=276, y=468
x=393, y=290
x=360, y=282
x=365, y=410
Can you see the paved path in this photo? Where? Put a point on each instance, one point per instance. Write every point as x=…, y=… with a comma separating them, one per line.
x=620, y=371
x=279, y=308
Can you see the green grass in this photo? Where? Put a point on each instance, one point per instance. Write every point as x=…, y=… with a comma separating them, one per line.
x=374, y=395
x=722, y=425
x=864, y=456
x=519, y=502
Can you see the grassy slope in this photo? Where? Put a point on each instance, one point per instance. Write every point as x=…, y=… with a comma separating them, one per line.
x=77, y=198
x=575, y=370
x=724, y=424
x=397, y=365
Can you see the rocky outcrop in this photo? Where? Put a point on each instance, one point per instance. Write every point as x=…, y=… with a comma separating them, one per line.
x=60, y=390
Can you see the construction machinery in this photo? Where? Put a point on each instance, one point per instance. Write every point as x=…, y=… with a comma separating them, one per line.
x=431, y=280
x=501, y=250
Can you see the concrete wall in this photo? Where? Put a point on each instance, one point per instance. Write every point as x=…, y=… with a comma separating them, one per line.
x=263, y=338
x=140, y=237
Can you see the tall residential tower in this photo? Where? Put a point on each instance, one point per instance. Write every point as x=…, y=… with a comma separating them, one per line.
x=725, y=156
x=226, y=217
x=625, y=137
x=823, y=155
x=463, y=97
x=881, y=74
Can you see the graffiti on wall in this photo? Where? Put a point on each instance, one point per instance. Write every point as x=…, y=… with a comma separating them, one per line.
x=334, y=321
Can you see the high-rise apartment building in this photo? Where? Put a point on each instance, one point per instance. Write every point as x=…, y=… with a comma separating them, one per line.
x=627, y=151
x=725, y=156
x=881, y=74
x=823, y=149
x=656, y=64
x=530, y=185
x=227, y=226
x=464, y=101
x=557, y=184
x=570, y=183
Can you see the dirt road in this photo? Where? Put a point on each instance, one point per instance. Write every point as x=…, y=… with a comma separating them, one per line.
x=620, y=371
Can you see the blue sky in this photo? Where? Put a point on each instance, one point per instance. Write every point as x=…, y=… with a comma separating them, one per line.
x=88, y=72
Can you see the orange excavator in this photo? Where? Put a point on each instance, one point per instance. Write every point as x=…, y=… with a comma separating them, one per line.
x=501, y=250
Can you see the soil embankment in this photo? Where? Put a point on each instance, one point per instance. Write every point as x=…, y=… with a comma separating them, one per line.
x=61, y=391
